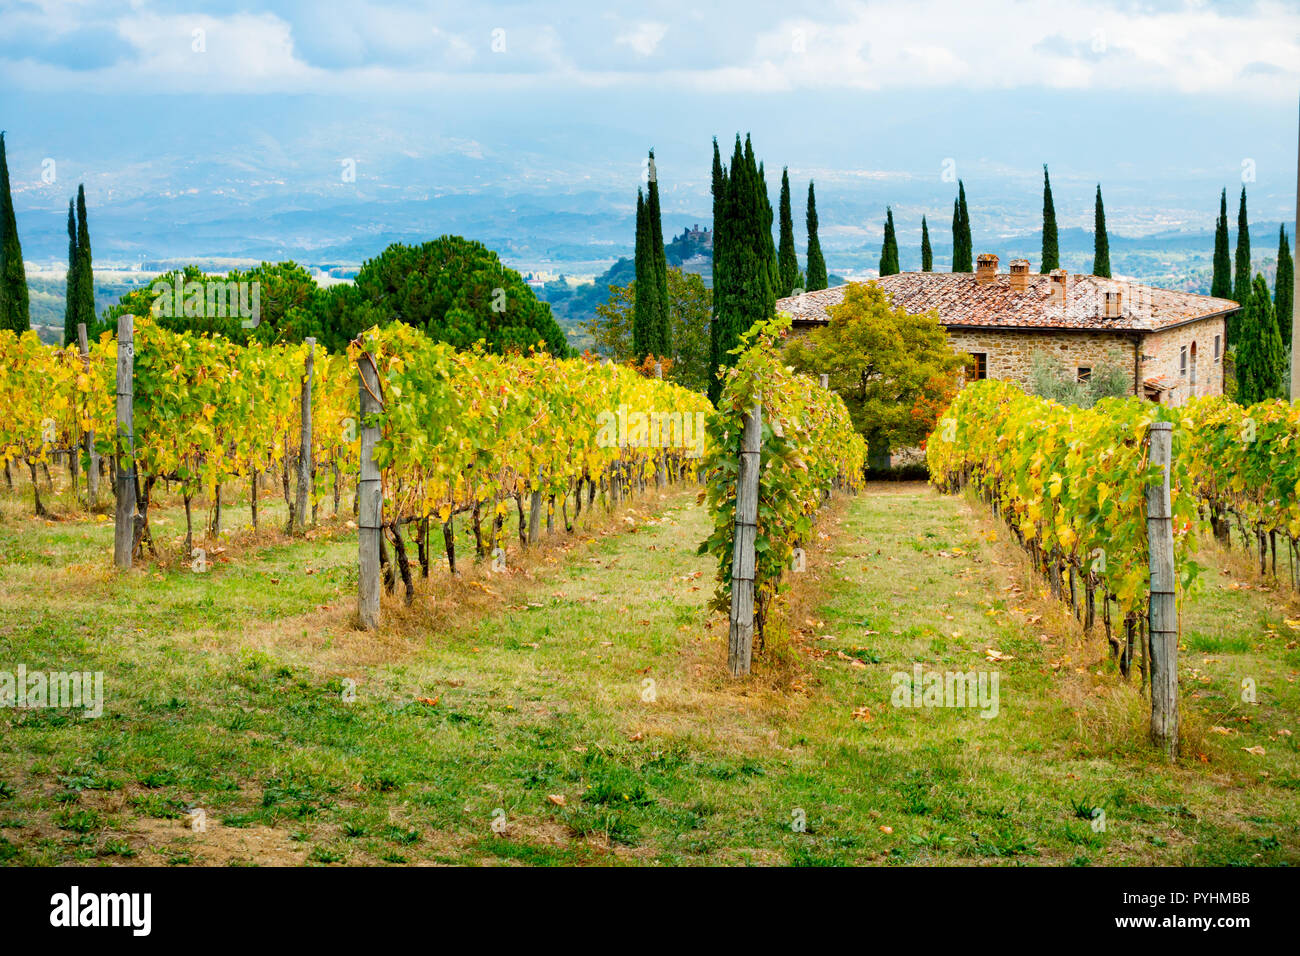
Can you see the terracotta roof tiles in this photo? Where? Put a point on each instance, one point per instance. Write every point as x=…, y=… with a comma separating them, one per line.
x=962, y=302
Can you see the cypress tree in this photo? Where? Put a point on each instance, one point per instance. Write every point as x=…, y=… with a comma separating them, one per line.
x=1260, y=355
x=789, y=261
x=85, y=272
x=956, y=235
x=927, y=255
x=1221, y=284
x=963, y=247
x=1284, y=287
x=816, y=277
x=719, y=190
x=15, y=309
x=659, y=327
x=1241, y=285
x=1051, y=251
x=1101, y=242
x=72, y=296
x=746, y=294
x=765, y=207
x=646, y=283
x=889, y=250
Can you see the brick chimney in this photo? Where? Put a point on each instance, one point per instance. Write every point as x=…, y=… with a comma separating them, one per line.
x=1060, y=286
x=1019, y=274
x=1114, y=303
x=986, y=267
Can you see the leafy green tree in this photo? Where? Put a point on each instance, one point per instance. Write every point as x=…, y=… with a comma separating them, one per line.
x=1260, y=354
x=1284, y=287
x=816, y=275
x=927, y=254
x=690, y=307
x=1051, y=250
x=458, y=291
x=789, y=260
x=15, y=307
x=889, y=249
x=765, y=204
x=896, y=372
x=1221, y=285
x=1100, y=242
x=1241, y=285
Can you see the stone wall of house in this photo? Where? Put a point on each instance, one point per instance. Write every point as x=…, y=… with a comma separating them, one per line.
x=1162, y=355
x=1010, y=354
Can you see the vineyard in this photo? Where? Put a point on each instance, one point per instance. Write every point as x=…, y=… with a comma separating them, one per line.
x=571, y=685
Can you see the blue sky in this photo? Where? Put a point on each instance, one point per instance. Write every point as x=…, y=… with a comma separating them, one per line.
x=240, y=104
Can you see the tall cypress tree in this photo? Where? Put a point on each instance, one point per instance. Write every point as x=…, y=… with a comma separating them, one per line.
x=72, y=296
x=765, y=206
x=646, y=282
x=956, y=235
x=85, y=271
x=660, y=324
x=786, y=255
x=1260, y=354
x=1241, y=284
x=1284, y=287
x=15, y=308
x=963, y=247
x=1100, y=242
x=889, y=250
x=817, y=278
x=719, y=190
x=745, y=293
x=1051, y=251
x=927, y=254
x=1221, y=284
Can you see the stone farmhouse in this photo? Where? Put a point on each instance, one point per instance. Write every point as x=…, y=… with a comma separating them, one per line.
x=1173, y=341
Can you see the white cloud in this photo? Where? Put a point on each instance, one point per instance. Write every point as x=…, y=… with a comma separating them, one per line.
x=979, y=46
x=644, y=38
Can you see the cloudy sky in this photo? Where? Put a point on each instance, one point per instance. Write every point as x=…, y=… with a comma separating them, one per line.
x=1163, y=101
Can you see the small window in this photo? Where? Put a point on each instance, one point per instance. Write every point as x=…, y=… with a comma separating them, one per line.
x=1216, y=348
x=1193, y=363
x=1084, y=374
x=978, y=368
x=1182, y=360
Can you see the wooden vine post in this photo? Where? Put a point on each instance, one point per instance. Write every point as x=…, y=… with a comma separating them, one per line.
x=825, y=380
x=304, y=447
x=124, y=520
x=1163, y=603
x=92, y=474
x=740, y=639
x=370, y=514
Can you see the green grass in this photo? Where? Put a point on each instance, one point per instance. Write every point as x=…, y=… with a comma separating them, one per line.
x=582, y=712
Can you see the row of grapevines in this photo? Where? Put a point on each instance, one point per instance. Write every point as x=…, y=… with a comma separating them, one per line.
x=1071, y=482
x=461, y=429
x=206, y=410
x=1244, y=464
x=808, y=448
x=49, y=399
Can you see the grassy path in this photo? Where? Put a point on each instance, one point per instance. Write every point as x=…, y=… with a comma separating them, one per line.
x=577, y=710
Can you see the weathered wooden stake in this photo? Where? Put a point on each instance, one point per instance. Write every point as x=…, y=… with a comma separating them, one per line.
x=92, y=474
x=740, y=640
x=370, y=495
x=1163, y=601
x=304, y=447
x=124, y=523
x=825, y=380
